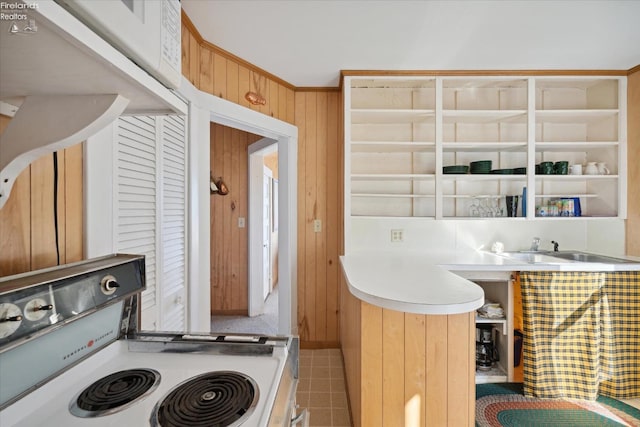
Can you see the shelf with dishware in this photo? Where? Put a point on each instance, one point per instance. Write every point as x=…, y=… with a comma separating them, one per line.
x=414, y=139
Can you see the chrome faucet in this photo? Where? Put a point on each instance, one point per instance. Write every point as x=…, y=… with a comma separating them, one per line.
x=535, y=244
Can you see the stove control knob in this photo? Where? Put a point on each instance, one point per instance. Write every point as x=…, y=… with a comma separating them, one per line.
x=108, y=285
x=36, y=309
x=10, y=319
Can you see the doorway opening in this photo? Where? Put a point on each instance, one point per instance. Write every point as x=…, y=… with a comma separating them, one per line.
x=261, y=278
x=205, y=110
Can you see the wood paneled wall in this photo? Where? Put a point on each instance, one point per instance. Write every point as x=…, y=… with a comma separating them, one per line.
x=229, y=243
x=317, y=114
x=27, y=232
x=407, y=369
x=633, y=163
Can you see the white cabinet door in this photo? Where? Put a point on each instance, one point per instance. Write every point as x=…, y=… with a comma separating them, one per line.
x=173, y=224
x=136, y=204
x=150, y=212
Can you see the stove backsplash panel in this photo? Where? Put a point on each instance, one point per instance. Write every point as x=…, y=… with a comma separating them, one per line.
x=26, y=367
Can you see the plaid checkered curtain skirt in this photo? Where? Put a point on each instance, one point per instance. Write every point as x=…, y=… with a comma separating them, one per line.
x=623, y=294
x=568, y=343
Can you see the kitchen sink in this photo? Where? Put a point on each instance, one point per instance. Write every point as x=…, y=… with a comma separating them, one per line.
x=534, y=257
x=549, y=257
x=587, y=257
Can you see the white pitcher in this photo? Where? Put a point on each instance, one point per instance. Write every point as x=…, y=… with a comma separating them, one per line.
x=591, y=169
x=602, y=168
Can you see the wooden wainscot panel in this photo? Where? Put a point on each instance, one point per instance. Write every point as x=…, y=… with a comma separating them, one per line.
x=415, y=362
x=351, y=349
x=206, y=71
x=436, y=385
x=27, y=227
x=393, y=368
x=371, y=366
x=43, y=235
x=406, y=369
x=229, y=243
x=319, y=198
x=15, y=223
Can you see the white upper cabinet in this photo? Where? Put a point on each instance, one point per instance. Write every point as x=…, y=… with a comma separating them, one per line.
x=391, y=133
x=583, y=121
x=403, y=133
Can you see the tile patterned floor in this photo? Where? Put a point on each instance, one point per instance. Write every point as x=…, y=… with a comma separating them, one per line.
x=321, y=388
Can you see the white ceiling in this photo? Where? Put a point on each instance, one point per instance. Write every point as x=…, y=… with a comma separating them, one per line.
x=308, y=42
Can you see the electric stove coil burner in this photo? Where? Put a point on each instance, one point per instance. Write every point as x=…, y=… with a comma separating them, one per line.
x=214, y=399
x=114, y=392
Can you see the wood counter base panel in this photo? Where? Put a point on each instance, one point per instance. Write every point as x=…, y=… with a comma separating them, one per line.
x=405, y=369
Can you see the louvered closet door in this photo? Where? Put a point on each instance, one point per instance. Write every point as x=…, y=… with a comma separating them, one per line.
x=151, y=212
x=136, y=202
x=173, y=220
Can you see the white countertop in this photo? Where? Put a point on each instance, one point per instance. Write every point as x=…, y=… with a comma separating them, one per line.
x=424, y=283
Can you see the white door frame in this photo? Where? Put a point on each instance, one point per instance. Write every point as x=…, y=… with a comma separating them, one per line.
x=257, y=151
x=203, y=109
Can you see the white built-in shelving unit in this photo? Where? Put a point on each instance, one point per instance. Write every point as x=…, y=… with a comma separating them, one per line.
x=401, y=130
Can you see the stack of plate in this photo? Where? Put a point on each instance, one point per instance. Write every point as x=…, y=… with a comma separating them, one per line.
x=520, y=171
x=502, y=171
x=481, y=167
x=455, y=169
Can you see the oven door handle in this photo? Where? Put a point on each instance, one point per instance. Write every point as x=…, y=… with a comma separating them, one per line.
x=302, y=418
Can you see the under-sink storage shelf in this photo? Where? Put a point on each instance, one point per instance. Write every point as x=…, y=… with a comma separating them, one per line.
x=495, y=375
x=401, y=130
x=502, y=322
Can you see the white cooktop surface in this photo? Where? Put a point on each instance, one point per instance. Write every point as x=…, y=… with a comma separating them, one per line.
x=49, y=404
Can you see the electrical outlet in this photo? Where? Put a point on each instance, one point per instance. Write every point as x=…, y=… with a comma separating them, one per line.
x=317, y=226
x=240, y=222
x=397, y=235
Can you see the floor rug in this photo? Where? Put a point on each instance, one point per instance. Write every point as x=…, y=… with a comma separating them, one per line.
x=504, y=405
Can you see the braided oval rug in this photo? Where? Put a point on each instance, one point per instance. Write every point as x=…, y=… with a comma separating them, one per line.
x=504, y=405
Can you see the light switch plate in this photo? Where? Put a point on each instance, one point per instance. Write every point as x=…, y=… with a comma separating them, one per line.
x=241, y=222
x=317, y=226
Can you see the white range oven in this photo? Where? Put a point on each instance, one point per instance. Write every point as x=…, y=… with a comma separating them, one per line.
x=71, y=354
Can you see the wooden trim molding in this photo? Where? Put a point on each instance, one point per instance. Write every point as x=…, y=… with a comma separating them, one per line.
x=318, y=89
x=434, y=73
x=192, y=28
x=633, y=70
